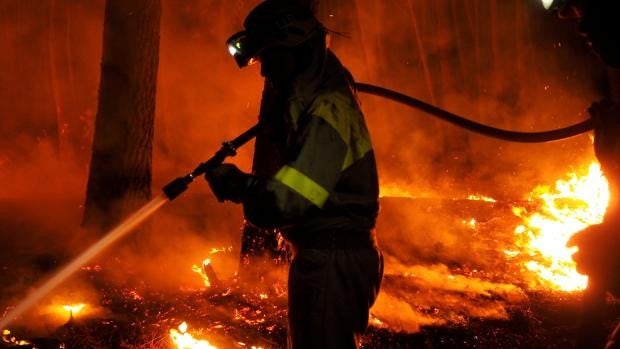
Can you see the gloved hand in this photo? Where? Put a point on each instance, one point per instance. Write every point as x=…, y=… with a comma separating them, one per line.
x=227, y=182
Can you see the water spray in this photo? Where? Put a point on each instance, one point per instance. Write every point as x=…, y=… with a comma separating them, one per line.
x=170, y=192
x=121, y=230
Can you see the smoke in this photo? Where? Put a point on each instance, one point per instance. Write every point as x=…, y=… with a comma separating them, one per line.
x=431, y=295
x=506, y=63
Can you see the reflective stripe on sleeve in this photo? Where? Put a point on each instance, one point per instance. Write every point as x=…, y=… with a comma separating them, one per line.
x=302, y=185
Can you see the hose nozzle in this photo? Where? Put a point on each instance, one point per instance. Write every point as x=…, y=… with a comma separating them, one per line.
x=177, y=186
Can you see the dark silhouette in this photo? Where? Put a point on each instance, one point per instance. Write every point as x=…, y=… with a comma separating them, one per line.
x=120, y=169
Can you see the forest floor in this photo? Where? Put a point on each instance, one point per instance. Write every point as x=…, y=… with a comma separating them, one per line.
x=482, y=309
x=231, y=318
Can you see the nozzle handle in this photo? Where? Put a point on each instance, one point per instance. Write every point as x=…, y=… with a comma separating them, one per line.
x=229, y=148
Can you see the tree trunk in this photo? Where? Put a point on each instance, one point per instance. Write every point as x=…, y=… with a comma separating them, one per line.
x=120, y=169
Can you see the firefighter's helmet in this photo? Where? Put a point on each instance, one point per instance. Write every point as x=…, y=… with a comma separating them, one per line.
x=273, y=23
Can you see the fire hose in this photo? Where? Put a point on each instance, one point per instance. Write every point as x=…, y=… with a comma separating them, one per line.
x=176, y=187
x=229, y=148
x=507, y=135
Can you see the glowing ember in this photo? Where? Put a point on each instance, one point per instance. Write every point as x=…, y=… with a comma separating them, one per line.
x=215, y=250
x=481, y=198
x=111, y=237
x=200, y=270
x=11, y=340
x=571, y=206
x=470, y=223
x=375, y=321
x=396, y=191
x=184, y=340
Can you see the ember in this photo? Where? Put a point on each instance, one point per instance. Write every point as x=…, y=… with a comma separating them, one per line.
x=396, y=191
x=481, y=198
x=184, y=340
x=8, y=338
x=571, y=206
x=215, y=250
x=201, y=270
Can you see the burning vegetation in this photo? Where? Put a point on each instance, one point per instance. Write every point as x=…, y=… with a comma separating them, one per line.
x=431, y=302
x=475, y=251
x=564, y=209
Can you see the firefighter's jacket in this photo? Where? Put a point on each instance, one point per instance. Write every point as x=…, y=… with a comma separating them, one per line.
x=313, y=157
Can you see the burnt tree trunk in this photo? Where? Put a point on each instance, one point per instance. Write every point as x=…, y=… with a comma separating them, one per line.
x=120, y=169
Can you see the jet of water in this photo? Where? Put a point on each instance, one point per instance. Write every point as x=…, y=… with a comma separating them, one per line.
x=111, y=237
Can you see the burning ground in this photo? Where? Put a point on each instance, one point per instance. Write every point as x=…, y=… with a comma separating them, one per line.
x=462, y=215
x=460, y=272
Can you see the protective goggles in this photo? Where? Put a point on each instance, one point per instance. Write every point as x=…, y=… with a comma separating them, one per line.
x=552, y=4
x=243, y=49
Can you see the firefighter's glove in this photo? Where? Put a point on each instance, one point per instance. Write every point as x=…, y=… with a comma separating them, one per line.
x=228, y=183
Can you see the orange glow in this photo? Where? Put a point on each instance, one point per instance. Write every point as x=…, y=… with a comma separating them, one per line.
x=481, y=198
x=572, y=205
x=199, y=269
x=218, y=250
x=73, y=309
x=471, y=223
x=375, y=321
x=394, y=190
x=11, y=340
x=110, y=238
x=183, y=340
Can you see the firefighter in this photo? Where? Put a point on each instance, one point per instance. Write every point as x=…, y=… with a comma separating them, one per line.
x=598, y=245
x=314, y=175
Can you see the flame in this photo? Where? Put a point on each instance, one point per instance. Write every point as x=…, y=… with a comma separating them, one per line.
x=481, y=198
x=215, y=250
x=396, y=191
x=184, y=340
x=375, y=321
x=200, y=271
x=73, y=309
x=572, y=205
x=11, y=340
x=472, y=223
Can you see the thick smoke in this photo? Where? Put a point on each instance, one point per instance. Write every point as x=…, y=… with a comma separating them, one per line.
x=505, y=63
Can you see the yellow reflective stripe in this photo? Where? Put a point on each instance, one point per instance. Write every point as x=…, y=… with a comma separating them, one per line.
x=302, y=185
